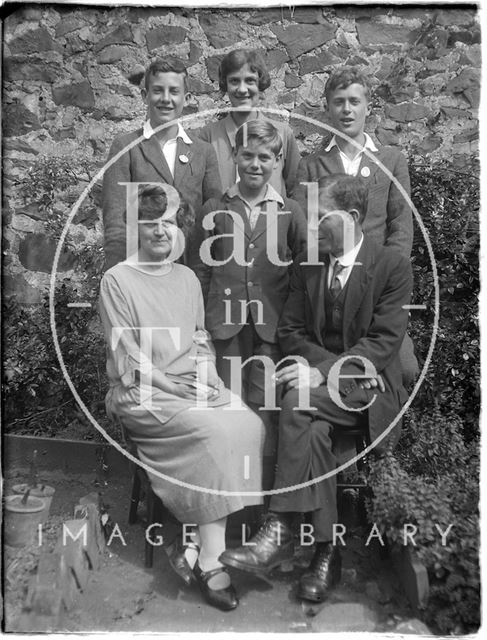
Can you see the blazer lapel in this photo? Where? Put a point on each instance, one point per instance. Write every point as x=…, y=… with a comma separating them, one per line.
x=357, y=285
x=236, y=205
x=152, y=152
x=315, y=285
x=184, y=157
x=331, y=162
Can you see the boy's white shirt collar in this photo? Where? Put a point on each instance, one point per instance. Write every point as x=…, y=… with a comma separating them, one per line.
x=270, y=194
x=369, y=144
x=148, y=132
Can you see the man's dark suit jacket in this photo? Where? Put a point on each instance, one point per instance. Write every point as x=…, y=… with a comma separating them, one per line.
x=196, y=179
x=374, y=324
x=389, y=218
x=262, y=281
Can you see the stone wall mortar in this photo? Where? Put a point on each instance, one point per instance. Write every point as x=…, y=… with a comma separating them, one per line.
x=71, y=84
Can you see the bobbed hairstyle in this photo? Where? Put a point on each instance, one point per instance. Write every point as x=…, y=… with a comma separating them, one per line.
x=263, y=131
x=165, y=65
x=347, y=192
x=235, y=60
x=152, y=201
x=343, y=78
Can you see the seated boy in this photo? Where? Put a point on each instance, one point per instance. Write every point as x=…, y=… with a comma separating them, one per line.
x=244, y=301
x=167, y=154
x=389, y=218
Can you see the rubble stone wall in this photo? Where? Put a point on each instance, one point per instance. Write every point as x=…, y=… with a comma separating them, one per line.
x=71, y=83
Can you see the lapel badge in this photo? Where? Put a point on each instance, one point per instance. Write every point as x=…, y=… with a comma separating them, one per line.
x=365, y=172
x=184, y=159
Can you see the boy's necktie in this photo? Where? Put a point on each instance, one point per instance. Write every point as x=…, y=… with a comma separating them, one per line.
x=336, y=285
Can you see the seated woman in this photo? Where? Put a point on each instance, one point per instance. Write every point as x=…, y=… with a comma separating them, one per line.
x=243, y=76
x=160, y=361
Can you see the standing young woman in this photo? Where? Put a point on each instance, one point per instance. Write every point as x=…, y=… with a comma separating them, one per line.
x=243, y=77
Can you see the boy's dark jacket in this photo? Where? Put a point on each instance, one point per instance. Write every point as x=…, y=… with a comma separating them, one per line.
x=389, y=218
x=261, y=281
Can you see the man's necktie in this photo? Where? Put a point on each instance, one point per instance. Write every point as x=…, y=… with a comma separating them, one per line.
x=336, y=285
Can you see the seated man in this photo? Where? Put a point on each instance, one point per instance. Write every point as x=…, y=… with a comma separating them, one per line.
x=344, y=316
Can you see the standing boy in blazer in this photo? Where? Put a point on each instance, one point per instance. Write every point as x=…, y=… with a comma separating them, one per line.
x=244, y=301
x=389, y=218
x=166, y=155
x=345, y=316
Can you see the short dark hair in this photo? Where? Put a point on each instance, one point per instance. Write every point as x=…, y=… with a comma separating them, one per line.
x=343, y=78
x=152, y=200
x=263, y=131
x=347, y=192
x=165, y=65
x=236, y=59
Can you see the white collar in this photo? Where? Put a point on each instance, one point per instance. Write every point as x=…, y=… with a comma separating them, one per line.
x=270, y=194
x=369, y=144
x=149, y=132
x=348, y=259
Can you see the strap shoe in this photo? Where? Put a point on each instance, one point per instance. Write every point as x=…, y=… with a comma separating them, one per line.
x=224, y=599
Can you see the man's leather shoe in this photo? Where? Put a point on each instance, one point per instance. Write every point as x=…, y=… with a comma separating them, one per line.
x=271, y=545
x=324, y=572
x=224, y=599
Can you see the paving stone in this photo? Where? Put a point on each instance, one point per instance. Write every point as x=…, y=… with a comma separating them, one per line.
x=34, y=622
x=412, y=574
x=74, y=550
x=342, y=617
x=300, y=38
x=412, y=627
x=164, y=36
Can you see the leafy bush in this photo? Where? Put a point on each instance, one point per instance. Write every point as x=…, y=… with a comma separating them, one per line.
x=433, y=476
x=37, y=399
x=448, y=203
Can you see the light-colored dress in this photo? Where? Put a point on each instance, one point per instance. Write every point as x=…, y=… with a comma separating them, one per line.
x=221, y=135
x=216, y=448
